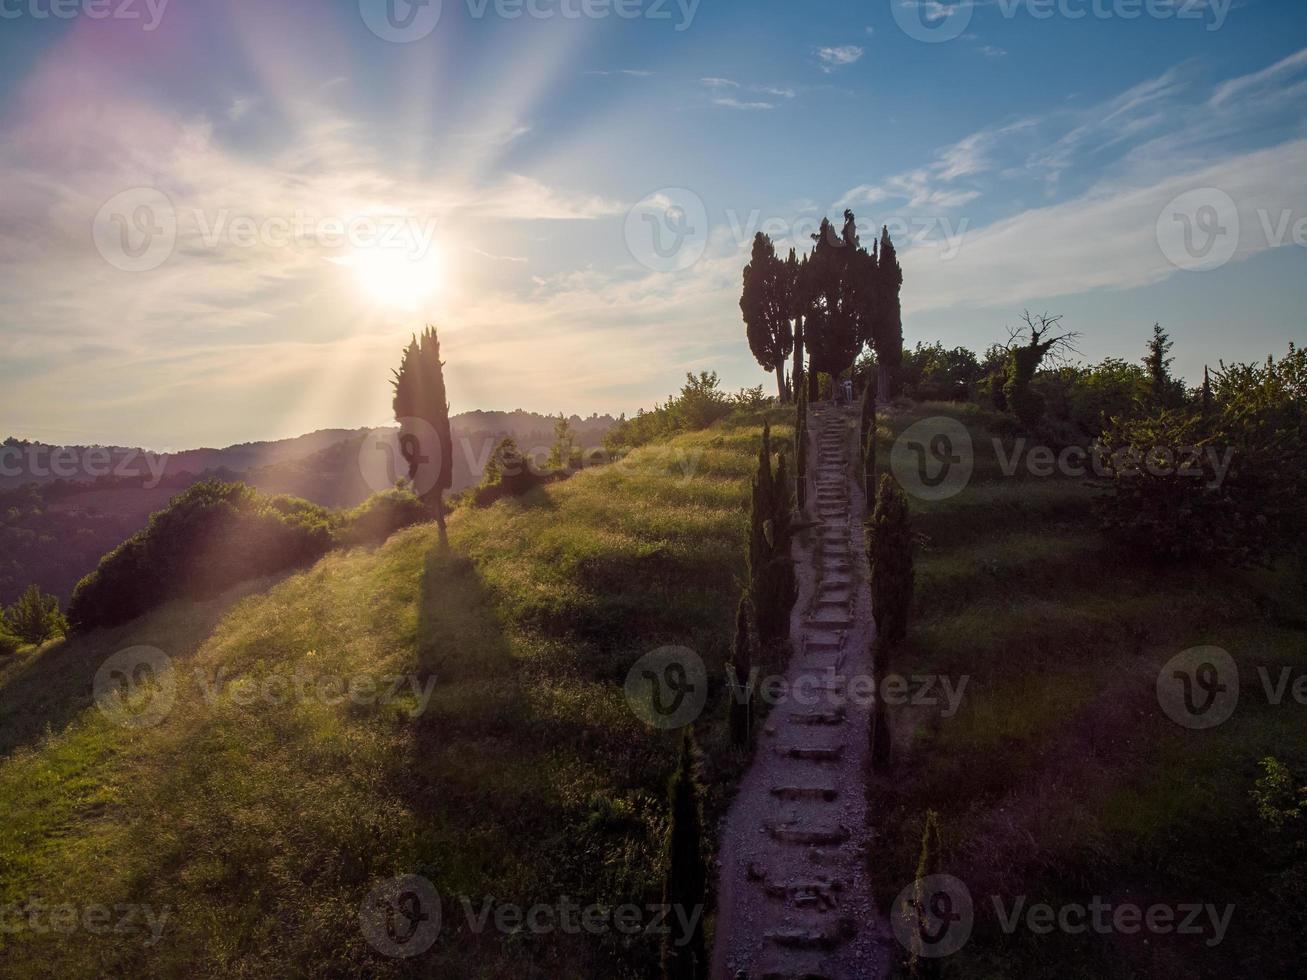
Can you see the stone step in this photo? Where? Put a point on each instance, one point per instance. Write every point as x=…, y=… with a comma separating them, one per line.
x=823, y=644
x=827, y=794
x=813, y=753
x=817, y=894
x=833, y=623
x=791, y=964
x=833, y=716
x=813, y=936
x=808, y=836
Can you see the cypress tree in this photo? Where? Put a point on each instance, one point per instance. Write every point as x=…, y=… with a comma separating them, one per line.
x=771, y=572
x=801, y=448
x=423, y=414
x=685, y=957
x=919, y=967
x=1207, y=394
x=889, y=560
x=765, y=304
x=867, y=437
x=887, y=320
x=869, y=459
x=839, y=284
x=741, y=666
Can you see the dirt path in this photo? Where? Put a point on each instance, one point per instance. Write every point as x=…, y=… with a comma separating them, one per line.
x=794, y=891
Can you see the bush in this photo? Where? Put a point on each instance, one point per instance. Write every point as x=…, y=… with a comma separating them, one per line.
x=9, y=643
x=1238, y=497
x=381, y=515
x=935, y=374
x=35, y=617
x=508, y=474
x=699, y=404
x=208, y=538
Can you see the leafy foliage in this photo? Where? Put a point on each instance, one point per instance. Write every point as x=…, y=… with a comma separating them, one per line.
x=699, y=404
x=35, y=617
x=208, y=538
x=1226, y=486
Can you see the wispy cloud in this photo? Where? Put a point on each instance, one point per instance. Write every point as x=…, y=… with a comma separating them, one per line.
x=838, y=57
x=726, y=102
x=631, y=72
x=721, y=86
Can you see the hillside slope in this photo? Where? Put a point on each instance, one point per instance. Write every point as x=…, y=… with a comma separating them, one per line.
x=260, y=811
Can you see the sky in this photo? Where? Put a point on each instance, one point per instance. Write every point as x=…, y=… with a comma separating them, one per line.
x=221, y=221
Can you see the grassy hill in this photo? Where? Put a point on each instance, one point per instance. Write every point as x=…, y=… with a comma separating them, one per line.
x=259, y=819
x=1061, y=778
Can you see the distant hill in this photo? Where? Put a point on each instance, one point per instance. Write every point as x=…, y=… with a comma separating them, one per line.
x=68, y=506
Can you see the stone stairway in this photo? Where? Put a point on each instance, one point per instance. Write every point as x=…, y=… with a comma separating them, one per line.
x=794, y=896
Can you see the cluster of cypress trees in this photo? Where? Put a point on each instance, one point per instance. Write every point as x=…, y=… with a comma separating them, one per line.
x=835, y=300
x=889, y=559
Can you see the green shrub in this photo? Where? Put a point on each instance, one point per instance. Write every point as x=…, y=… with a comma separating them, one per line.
x=35, y=617
x=381, y=515
x=1227, y=486
x=9, y=643
x=208, y=538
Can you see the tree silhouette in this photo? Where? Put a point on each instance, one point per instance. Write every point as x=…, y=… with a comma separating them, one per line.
x=889, y=560
x=886, y=316
x=685, y=957
x=422, y=411
x=1024, y=360
x=840, y=287
x=1165, y=391
x=765, y=302
x=741, y=666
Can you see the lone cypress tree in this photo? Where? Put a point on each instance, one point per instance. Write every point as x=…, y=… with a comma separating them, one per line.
x=422, y=411
x=887, y=318
x=889, y=560
x=741, y=666
x=771, y=571
x=801, y=447
x=867, y=437
x=1206, y=398
x=765, y=303
x=684, y=956
x=919, y=967
x=1163, y=388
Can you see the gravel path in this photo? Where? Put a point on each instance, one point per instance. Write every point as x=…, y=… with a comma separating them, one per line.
x=794, y=895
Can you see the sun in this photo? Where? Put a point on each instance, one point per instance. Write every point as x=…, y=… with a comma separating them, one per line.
x=398, y=276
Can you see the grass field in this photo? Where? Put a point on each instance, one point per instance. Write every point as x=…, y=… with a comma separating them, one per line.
x=258, y=818
x=1061, y=779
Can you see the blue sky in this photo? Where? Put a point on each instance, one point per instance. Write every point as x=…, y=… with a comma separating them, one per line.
x=502, y=176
